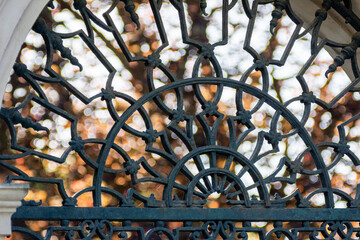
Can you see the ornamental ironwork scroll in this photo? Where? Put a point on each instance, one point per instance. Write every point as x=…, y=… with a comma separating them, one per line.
x=166, y=158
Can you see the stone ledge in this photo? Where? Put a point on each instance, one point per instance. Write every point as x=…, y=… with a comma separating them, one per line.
x=11, y=195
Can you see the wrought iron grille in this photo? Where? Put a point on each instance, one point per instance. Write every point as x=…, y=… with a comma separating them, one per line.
x=186, y=161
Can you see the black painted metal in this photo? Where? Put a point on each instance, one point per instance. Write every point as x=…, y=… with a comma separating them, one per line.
x=228, y=223
x=186, y=214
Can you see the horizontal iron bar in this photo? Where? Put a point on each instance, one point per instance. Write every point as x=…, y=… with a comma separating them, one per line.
x=186, y=214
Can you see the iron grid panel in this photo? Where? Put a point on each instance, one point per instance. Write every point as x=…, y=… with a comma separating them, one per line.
x=185, y=202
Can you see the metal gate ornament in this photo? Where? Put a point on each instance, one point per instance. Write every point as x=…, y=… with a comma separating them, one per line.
x=184, y=201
